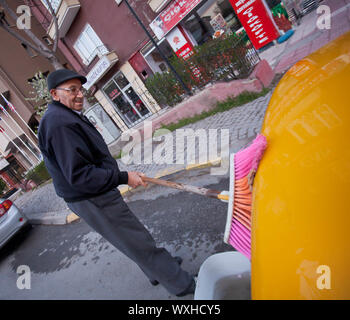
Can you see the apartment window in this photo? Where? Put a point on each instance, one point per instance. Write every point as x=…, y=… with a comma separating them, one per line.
x=89, y=45
x=54, y=3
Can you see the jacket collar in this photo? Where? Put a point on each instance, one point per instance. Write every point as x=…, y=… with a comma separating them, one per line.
x=54, y=103
x=57, y=104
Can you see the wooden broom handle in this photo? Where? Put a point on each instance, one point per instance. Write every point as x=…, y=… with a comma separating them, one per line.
x=184, y=187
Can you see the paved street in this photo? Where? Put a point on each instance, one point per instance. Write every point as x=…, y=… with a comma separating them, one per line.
x=74, y=262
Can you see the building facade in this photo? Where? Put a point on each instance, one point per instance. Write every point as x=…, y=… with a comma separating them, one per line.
x=104, y=41
x=19, y=151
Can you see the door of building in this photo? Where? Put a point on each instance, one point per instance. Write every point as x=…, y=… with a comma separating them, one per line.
x=100, y=119
x=126, y=101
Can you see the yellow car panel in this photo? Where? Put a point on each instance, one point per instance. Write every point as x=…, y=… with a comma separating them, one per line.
x=301, y=210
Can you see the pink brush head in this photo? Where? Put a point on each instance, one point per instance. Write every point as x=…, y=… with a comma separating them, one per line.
x=248, y=159
x=244, y=161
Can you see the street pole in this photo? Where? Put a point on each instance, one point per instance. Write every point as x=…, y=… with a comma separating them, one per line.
x=187, y=90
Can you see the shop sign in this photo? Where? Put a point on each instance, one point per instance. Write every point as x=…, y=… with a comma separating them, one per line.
x=219, y=24
x=179, y=44
x=256, y=20
x=182, y=47
x=171, y=16
x=98, y=71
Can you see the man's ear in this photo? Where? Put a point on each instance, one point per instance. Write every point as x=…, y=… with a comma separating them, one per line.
x=54, y=95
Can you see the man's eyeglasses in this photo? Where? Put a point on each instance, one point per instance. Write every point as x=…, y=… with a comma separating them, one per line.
x=73, y=90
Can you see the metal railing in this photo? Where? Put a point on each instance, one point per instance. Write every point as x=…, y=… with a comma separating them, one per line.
x=219, y=60
x=98, y=51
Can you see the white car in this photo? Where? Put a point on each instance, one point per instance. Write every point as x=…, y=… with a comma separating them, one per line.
x=11, y=220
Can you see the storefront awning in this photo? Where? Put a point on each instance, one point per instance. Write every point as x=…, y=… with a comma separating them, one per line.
x=171, y=16
x=100, y=69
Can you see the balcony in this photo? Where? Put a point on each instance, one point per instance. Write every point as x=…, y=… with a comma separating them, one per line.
x=66, y=13
x=157, y=5
x=6, y=94
x=106, y=62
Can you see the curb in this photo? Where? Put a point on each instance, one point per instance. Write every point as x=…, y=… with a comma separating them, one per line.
x=53, y=218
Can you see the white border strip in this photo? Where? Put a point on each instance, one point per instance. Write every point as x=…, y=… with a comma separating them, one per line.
x=231, y=199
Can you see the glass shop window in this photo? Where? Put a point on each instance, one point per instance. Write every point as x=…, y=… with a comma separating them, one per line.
x=153, y=57
x=125, y=100
x=203, y=21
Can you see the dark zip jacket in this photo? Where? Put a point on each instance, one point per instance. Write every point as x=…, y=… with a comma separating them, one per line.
x=76, y=156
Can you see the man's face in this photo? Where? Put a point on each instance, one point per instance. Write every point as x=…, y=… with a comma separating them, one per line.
x=69, y=94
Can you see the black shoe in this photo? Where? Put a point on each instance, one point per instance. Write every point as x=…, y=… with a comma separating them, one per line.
x=191, y=288
x=156, y=282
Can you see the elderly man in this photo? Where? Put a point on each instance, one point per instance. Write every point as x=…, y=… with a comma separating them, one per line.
x=86, y=176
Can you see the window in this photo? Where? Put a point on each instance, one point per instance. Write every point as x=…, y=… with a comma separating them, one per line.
x=153, y=57
x=89, y=45
x=54, y=3
x=125, y=100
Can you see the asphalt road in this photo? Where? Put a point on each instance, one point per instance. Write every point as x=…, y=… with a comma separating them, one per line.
x=74, y=262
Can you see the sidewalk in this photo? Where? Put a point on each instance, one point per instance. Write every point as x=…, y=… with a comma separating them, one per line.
x=308, y=37
x=42, y=206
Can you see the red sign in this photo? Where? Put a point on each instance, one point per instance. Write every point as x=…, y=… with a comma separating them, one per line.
x=185, y=52
x=182, y=46
x=171, y=16
x=178, y=42
x=256, y=20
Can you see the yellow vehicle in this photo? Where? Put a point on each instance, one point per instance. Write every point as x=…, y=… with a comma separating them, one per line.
x=301, y=208
x=300, y=231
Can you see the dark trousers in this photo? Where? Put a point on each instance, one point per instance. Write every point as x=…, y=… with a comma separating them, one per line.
x=110, y=216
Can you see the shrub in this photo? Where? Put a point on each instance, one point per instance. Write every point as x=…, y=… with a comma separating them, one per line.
x=2, y=186
x=223, y=59
x=39, y=174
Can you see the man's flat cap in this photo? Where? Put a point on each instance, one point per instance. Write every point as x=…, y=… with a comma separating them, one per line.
x=57, y=77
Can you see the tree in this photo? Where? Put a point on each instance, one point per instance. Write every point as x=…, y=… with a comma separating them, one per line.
x=3, y=186
x=41, y=93
x=35, y=43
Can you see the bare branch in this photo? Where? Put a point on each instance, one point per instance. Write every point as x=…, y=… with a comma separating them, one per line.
x=37, y=45
x=40, y=45
x=23, y=40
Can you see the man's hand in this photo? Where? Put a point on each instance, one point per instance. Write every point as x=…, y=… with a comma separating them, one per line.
x=135, y=180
